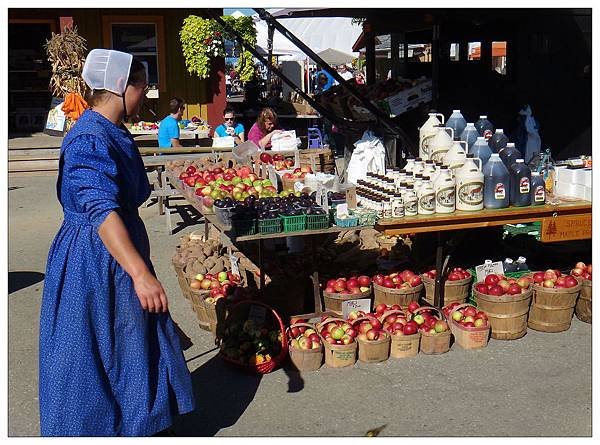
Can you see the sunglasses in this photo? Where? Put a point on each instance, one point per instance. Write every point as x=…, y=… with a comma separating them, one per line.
x=228, y=118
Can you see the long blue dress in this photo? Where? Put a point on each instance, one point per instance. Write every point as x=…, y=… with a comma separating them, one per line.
x=107, y=367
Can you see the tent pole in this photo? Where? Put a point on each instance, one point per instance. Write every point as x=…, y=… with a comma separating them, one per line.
x=271, y=31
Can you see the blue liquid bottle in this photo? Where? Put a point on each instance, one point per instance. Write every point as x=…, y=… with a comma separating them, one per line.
x=496, y=180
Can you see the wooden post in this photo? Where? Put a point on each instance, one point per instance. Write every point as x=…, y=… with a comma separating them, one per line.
x=369, y=53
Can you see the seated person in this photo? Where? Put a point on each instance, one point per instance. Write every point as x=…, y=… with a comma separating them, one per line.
x=230, y=128
x=168, y=131
x=265, y=127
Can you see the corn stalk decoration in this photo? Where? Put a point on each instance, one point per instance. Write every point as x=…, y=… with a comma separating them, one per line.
x=202, y=40
x=66, y=53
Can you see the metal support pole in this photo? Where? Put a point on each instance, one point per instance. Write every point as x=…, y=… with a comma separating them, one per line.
x=435, y=63
x=315, y=277
x=270, y=33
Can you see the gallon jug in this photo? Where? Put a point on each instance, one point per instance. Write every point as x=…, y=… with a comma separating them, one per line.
x=509, y=155
x=538, y=189
x=427, y=132
x=419, y=166
x=496, y=180
x=469, y=185
x=455, y=157
x=445, y=192
x=457, y=122
x=498, y=141
x=509, y=265
x=484, y=127
x=520, y=184
x=441, y=143
x=469, y=134
x=521, y=264
x=410, y=164
x=429, y=169
x=426, y=196
x=481, y=150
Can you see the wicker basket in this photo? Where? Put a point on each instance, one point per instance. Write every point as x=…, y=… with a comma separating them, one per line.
x=197, y=297
x=333, y=302
x=305, y=359
x=507, y=314
x=469, y=338
x=552, y=309
x=454, y=291
x=373, y=351
x=583, y=308
x=391, y=296
x=434, y=344
x=288, y=184
x=405, y=346
x=337, y=356
x=240, y=312
x=182, y=280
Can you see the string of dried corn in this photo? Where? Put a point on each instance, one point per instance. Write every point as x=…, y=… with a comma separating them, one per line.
x=66, y=53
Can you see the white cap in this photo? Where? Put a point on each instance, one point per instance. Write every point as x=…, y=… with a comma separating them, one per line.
x=520, y=161
x=456, y=111
x=483, y=117
x=499, y=130
x=510, y=144
x=470, y=124
x=106, y=69
x=480, y=138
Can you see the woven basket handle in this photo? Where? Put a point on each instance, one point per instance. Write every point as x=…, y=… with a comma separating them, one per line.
x=431, y=308
x=392, y=312
x=299, y=325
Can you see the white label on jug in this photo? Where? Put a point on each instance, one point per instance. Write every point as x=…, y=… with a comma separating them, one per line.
x=446, y=197
x=487, y=134
x=471, y=193
x=425, y=144
x=438, y=156
x=410, y=208
x=539, y=194
x=398, y=210
x=427, y=202
x=524, y=185
x=499, y=191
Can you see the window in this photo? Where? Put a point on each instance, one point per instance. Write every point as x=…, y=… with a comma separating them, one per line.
x=454, y=52
x=142, y=37
x=419, y=52
x=474, y=51
x=499, y=57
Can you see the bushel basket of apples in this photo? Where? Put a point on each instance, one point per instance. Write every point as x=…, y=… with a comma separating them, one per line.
x=469, y=326
x=457, y=285
x=305, y=346
x=338, y=338
x=583, y=309
x=554, y=299
x=506, y=302
x=404, y=332
x=342, y=289
x=397, y=288
x=253, y=337
x=373, y=340
x=434, y=329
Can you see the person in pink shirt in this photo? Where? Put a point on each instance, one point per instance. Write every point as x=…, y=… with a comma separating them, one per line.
x=264, y=128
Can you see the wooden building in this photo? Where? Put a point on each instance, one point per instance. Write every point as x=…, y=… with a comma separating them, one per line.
x=149, y=34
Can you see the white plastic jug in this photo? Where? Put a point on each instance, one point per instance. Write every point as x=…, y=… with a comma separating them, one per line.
x=445, y=192
x=469, y=185
x=426, y=196
x=427, y=132
x=441, y=143
x=455, y=157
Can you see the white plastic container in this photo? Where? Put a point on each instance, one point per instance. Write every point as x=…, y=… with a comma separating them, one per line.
x=445, y=192
x=427, y=132
x=441, y=143
x=455, y=157
x=426, y=195
x=469, y=185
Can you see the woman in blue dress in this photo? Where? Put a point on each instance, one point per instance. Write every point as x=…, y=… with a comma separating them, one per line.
x=110, y=359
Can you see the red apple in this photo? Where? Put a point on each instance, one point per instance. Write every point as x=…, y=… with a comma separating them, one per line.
x=491, y=279
x=538, y=277
x=548, y=283
x=364, y=281
x=496, y=291
x=570, y=281
x=412, y=306
x=387, y=282
x=514, y=289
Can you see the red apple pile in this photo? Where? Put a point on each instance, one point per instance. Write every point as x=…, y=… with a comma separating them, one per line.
x=553, y=278
x=298, y=173
x=499, y=285
x=428, y=322
x=220, y=285
x=337, y=332
x=396, y=323
x=457, y=273
x=398, y=280
x=370, y=329
x=469, y=317
x=582, y=270
x=355, y=285
x=302, y=337
x=282, y=163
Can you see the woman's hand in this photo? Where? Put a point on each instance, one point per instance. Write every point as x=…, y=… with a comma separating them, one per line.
x=150, y=293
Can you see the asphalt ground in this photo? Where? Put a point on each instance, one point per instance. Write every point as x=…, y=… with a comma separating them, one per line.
x=540, y=385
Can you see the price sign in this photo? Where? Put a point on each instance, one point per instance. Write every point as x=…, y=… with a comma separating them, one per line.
x=272, y=175
x=235, y=269
x=257, y=314
x=351, y=198
x=484, y=270
x=362, y=304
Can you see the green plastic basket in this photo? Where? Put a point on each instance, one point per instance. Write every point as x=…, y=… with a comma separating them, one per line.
x=348, y=222
x=272, y=225
x=366, y=217
x=243, y=227
x=293, y=223
x=534, y=228
x=314, y=222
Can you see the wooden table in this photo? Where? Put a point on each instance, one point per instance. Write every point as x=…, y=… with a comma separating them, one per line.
x=562, y=220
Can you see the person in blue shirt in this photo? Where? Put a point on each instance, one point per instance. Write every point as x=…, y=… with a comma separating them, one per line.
x=324, y=81
x=230, y=128
x=168, y=131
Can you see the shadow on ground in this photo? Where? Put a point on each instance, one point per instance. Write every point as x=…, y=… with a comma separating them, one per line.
x=21, y=280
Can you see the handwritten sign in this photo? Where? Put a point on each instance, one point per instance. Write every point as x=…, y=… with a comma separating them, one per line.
x=566, y=228
x=351, y=198
x=257, y=314
x=362, y=304
x=235, y=269
x=483, y=270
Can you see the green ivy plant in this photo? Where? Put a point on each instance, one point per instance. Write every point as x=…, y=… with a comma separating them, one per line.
x=202, y=40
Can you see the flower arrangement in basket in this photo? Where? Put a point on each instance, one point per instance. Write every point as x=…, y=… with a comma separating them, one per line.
x=253, y=337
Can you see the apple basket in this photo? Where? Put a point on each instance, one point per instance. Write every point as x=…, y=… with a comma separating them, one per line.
x=552, y=308
x=507, y=314
x=197, y=297
x=453, y=290
x=391, y=296
x=438, y=343
x=253, y=337
x=333, y=301
x=182, y=280
x=337, y=356
x=372, y=351
x=583, y=308
x=305, y=359
x=402, y=345
x=469, y=338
